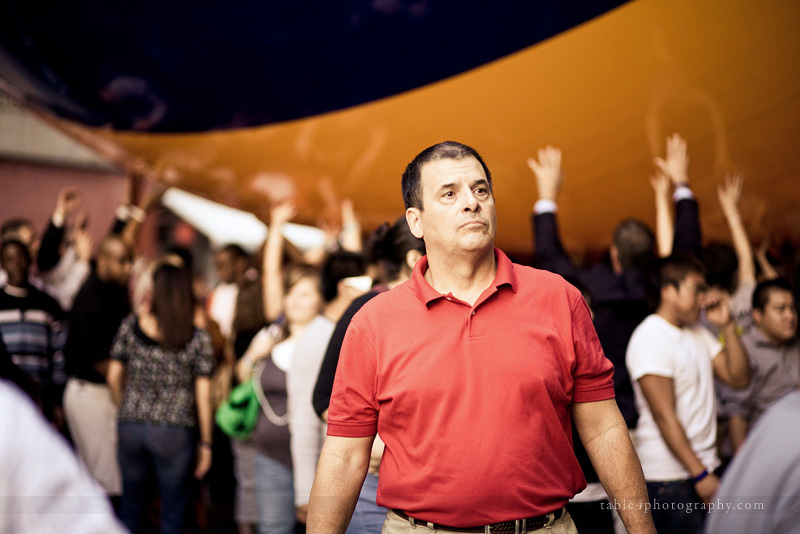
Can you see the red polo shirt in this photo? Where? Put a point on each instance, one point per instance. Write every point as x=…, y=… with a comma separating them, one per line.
x=472, y=401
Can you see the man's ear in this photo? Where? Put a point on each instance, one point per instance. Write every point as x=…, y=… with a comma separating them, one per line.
x=413, y=220
x=757, y=316
x=412, y=257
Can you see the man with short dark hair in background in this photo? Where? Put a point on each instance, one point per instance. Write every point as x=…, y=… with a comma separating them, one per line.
x=471, y=372
x=773, y=350
x=99, y=308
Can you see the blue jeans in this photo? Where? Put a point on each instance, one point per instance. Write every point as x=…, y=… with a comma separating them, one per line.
x=676, y=507
x=275, y=495
x=368, y=517
x=171, y=450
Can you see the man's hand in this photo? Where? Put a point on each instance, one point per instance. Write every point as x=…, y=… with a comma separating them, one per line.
x=729, y=194
x=661, y=185
x=69, y=199
x=707, y=487
x=549, y=176
x=282, y=212
x=203, y=461
x=676, y=164
x=716, y=304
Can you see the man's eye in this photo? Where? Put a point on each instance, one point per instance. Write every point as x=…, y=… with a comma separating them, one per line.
x=449, y=194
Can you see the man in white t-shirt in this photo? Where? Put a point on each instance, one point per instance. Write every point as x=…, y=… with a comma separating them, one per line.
x=672, y=360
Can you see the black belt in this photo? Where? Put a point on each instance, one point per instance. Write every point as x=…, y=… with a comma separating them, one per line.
x=505, y=527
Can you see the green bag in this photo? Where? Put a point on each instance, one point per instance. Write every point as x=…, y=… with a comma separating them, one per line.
x=238, y=414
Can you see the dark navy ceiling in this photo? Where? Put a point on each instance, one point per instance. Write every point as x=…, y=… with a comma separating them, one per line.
x=189, y=66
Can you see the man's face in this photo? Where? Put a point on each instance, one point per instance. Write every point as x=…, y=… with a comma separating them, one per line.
x=226, y=268
x=458, y=211
x=16, y=264
x=686, y=299
x=778, y=319
x=116, y=263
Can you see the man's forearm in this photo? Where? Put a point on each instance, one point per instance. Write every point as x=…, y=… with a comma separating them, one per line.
x=620, y=472
x=340, y=475
x=737, y=360
x=605, y=438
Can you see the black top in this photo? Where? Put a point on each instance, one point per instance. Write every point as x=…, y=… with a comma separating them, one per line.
x=96, y=315
x=327, y=372
x=618, y=301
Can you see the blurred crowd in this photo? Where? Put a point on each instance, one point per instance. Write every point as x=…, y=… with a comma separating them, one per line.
x=128, y=357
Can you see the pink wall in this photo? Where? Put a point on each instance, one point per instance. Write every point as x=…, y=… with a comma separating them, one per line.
x=30, y=191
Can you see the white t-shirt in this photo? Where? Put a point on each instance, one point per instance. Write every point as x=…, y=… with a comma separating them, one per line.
x=684, y=354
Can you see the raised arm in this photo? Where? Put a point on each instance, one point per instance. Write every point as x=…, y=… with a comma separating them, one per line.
x=67, y=203
x=729, y=194
x=687, y=220
x=605, y=438
x=768, y=272
x=549, y=251
x=342, y=468
x=665, y=228
x=351, y=229
x=280, y=213
x=731, y=365
x=138, y=214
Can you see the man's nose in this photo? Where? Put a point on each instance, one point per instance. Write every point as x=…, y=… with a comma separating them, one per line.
x=471, y=203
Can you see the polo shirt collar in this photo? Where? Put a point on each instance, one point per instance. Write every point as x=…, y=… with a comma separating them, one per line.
x=505, y=277
x=762, y=340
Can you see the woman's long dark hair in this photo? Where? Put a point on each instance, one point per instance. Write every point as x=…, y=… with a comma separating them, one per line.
x=173, y=306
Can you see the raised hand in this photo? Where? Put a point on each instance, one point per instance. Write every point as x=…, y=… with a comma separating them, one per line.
x=717, y=306
x=69, y=199
x=661, y=184
x=729, y=194
x=676, y=163
x=549, y=175
x=282, y=212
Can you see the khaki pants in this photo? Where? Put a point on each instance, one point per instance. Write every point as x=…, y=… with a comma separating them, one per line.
x=92, y=419
x=395, y=524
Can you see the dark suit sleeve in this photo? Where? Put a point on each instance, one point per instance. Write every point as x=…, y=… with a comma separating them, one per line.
x=117, y=226
x=550, y=254
x=687, y=228
x=49, y=253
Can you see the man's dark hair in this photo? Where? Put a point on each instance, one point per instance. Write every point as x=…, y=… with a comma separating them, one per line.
x=173, y=305
x=671, y=271
x=235, y=251
x=16, y=242
x=389, y=245
x=763, y=290
x=721, y=263
x=635, y=244
x=340, y=265
x=411, y=184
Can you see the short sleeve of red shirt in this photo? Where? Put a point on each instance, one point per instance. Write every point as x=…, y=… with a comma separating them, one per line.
x=593, y=371
x=356, y=415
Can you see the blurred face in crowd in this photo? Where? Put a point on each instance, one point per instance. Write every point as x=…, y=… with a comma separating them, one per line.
x=458, y=211
x=778, y=319
x=114, y=261
x=228, y=268
x=16, y=261
x=685, y=302
x=303, y=301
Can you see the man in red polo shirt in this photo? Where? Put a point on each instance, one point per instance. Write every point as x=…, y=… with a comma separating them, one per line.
x=471, y=372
